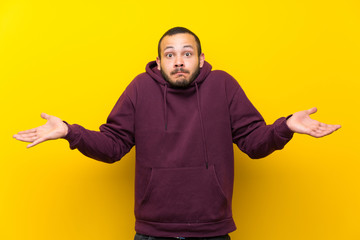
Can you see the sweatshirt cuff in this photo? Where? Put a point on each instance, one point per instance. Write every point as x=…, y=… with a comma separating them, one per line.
x=72, y=135
x=283, y=130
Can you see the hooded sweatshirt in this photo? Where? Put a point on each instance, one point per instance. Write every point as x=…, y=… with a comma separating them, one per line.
x=184, y=148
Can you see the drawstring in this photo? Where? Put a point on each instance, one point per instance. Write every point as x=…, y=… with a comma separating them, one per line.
x=201, y=120
x=165, y=107
x=202, y=126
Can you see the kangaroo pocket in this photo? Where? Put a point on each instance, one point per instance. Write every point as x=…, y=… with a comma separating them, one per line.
x=183, y=195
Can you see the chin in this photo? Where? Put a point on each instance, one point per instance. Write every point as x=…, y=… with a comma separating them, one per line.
x=180, y=83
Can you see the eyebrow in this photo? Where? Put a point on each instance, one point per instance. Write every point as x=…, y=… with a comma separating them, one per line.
x=186, y=46
x=168, y=47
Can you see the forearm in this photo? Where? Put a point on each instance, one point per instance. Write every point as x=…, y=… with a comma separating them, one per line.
x=264, y=139
x=100, y=145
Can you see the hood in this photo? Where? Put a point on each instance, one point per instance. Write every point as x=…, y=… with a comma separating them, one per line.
x=151, y=69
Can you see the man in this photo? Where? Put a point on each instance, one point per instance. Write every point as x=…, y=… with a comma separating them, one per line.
x=183, y=118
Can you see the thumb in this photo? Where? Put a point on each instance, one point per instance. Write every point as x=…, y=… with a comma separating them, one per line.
x=312, y=110
x=45, y=116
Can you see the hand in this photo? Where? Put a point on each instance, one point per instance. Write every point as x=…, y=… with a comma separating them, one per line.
x=54, y=128
x=300, y=122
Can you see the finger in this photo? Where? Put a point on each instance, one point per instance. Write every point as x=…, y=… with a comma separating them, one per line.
x=40, y=140
x=27, y=134
x=26, y=139
x=45, y=116
x=33, y=130
x=331, y=128
x=322, y=124
x=30, y=145
x=316, y=133
x=337, y=127
x=312, y=110
x=324, y=127
x=321, y=133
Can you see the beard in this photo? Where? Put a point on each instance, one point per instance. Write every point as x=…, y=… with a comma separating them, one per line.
x=181, y=82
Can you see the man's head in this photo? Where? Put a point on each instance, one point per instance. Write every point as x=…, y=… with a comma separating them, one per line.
x=180, y=57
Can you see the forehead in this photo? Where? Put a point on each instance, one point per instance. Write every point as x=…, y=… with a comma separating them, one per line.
x=178, y=41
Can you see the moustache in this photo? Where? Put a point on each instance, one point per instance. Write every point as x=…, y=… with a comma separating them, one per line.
x=179, y=70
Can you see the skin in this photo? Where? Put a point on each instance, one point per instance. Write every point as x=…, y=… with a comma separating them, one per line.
x=300, y=122
x=180, y=65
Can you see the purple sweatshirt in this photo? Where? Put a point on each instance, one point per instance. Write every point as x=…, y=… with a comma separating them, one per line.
x=184, y=149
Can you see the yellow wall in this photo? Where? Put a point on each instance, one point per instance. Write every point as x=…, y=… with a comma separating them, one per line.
x=73, y=59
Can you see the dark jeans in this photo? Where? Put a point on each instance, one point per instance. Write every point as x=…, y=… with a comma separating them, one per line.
x=144, y=237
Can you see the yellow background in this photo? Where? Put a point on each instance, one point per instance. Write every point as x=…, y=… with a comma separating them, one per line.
x=73, y=59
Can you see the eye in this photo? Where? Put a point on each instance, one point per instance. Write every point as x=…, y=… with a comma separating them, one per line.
x=169, y=55
x=188, y=54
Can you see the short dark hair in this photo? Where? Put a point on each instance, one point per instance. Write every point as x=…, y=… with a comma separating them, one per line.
x=177, y=30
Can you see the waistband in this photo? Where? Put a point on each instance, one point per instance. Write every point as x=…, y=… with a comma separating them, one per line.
x=146, y=237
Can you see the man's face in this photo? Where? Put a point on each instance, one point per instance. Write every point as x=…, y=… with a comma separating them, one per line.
x=179, y=63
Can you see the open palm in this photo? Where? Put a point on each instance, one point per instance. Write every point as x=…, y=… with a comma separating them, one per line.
x=300, y=122
x=54, y=128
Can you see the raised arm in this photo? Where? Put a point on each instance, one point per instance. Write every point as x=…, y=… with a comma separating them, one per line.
x=110, y=144
x=257, y=139
x=53, y=129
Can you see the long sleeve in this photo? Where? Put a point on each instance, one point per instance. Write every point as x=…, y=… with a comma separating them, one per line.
x=249, y=130
x=115, y=138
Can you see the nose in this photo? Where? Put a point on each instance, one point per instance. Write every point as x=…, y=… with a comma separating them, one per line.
x=179, y=62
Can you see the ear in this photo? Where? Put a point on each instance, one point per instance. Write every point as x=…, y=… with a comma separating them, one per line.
x=202, y=60
x=158, y=63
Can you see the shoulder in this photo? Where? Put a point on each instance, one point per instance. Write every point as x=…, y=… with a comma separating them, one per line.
x=141, y=87
x=224, y=78
x=133, y=88
x=142, y=80
x=219, y=74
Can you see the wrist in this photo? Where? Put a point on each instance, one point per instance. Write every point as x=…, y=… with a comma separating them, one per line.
x=288, y=122
x=66, y=128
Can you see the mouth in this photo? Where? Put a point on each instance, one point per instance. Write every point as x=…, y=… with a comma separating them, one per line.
x=179, y=75
x=179, y=72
